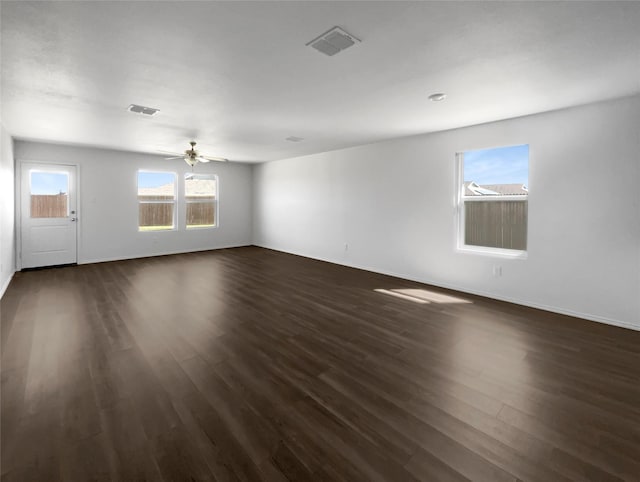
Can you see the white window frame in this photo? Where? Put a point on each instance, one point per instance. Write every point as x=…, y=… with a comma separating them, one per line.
x=166, y=201
x=460, y=199
x=214, y=202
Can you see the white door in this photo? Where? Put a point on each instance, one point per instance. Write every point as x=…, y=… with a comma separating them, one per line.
x=48, y=215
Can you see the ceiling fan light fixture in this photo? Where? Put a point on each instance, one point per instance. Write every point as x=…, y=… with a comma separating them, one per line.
x=193, y=157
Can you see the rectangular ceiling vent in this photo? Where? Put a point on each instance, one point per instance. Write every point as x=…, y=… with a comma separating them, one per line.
x=140, y=109
x=333, y=41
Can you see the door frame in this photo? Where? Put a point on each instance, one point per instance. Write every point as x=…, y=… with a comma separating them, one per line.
x=18, y=205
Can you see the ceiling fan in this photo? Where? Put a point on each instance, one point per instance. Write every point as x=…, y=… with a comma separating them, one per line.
x=192, y=157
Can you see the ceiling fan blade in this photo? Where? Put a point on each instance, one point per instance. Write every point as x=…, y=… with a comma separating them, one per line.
x=195, y=154
x=217, y=159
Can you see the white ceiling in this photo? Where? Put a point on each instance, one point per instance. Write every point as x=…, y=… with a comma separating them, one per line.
x=238, y=78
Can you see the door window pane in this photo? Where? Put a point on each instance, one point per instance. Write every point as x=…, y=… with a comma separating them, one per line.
x=49, y=194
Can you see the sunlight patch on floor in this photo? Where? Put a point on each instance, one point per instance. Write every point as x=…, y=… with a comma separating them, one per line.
x=431, y=296
x=400, y=295
x=422, y=296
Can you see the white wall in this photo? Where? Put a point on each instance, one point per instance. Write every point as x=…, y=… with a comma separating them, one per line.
x=393, y=203
x=108, y=209
x=7, y=224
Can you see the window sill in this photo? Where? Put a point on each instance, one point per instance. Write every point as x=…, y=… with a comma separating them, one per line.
x=198, y=228
x=493, y=252
x=156, y=230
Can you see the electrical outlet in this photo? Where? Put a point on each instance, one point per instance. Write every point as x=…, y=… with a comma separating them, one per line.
x=497, y=271
x=346, y=246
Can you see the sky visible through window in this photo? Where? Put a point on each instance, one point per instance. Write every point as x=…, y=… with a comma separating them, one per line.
x=155, y=179
x=43, y=183
x=500, y=165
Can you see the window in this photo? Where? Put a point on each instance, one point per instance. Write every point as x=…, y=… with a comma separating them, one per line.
x=49, y=194
x=201, y=200
x=156, y=200
x=493, y=200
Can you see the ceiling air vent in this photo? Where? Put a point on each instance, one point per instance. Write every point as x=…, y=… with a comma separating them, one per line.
x=294, y=139
x=333, y=41
x=140, y=109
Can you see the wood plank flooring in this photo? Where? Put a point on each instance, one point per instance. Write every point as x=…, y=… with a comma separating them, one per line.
x=249, y=364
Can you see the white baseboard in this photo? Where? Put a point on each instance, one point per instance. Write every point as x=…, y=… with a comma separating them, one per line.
x=530, y=304
x=6, y=285
x=151, y=255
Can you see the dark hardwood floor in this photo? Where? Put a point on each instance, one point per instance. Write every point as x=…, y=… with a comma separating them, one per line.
x=249, y=364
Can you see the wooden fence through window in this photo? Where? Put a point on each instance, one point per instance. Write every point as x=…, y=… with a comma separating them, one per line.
x=49, y=205
x=152, y=211
x=496, y=224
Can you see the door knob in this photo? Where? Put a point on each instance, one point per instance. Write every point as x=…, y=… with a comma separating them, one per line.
x=74, y=219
